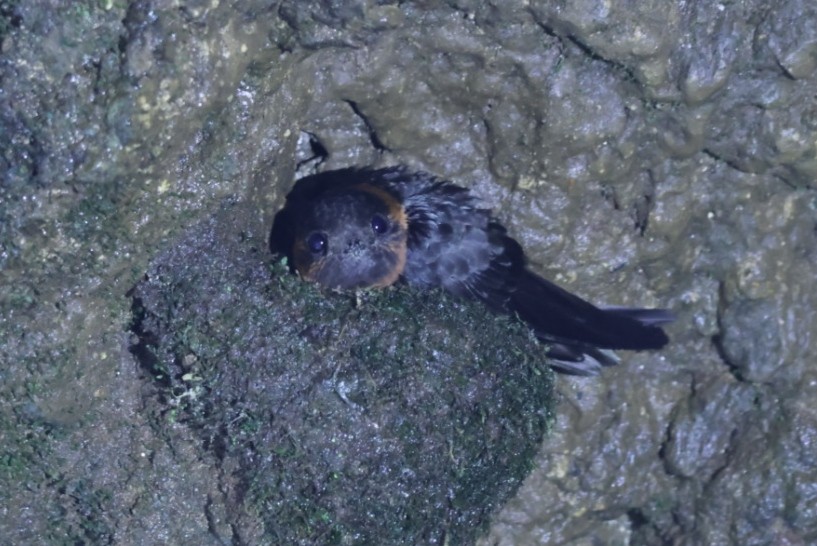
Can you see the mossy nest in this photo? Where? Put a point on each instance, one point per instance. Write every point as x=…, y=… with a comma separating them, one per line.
x=388, y=417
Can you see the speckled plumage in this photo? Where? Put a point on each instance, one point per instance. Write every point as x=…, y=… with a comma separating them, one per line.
x=355, y=228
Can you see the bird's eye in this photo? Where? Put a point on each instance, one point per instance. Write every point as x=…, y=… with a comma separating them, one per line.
x=379, y=224
x=316, y=243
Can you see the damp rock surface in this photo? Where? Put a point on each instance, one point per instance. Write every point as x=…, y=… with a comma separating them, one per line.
x=644, y=153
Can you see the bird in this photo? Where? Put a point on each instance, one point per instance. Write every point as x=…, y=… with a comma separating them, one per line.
x=362, y=227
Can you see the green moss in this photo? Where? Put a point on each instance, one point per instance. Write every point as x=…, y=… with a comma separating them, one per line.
x=9, y=20
x=393, y=415
x=22, y=446
x=72, y=510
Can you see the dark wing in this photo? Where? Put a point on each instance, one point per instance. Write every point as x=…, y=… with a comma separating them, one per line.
x=581, y=336
x=456, y=245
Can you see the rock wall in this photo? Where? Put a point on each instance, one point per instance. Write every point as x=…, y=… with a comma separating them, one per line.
x=645, y=153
